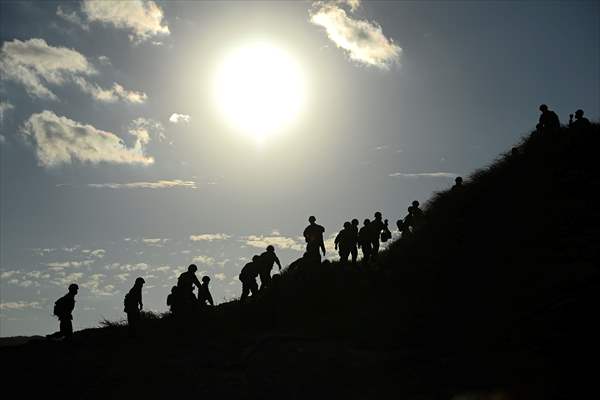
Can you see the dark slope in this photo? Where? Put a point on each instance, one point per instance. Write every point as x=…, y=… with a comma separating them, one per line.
x=496, y=295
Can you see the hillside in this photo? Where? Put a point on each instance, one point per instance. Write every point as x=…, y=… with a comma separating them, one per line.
x=495, y=296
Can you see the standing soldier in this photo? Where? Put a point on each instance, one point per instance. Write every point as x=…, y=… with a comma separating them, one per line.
x=377, y=226
x=417, y=215
x=185, y=289
x=353, y=247
x=172, y=300
x=343, y=241
x=364, y=240
x=63, y=309
x=133, y=305
x=549, y=121
x=248, y=276
x=204, y=294
x=265, y=262
x=313, y=234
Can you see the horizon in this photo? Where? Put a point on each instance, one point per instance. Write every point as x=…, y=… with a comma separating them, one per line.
x=389, y=103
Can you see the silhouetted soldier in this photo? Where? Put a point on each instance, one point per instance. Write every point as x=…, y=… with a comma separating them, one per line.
x=134, y=305
x=581, y=123
x=185, y=289
x=248, y=276
x=63, y=309
x=343, y=241
x=266, y=261
x=458, y=181
x=353, y=247
x=549, y=121
x=313, y=234
x=377, y=226
x=172, y=300
x=407, y=224
x=416, y=215
x=204, y=293
x=364, y=240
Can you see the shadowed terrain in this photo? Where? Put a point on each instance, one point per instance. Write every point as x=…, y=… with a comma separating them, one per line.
x=495, y=296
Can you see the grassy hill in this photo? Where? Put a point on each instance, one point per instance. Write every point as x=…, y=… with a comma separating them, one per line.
x=495, y=296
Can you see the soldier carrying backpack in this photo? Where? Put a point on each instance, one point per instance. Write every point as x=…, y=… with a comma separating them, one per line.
x=63, y=309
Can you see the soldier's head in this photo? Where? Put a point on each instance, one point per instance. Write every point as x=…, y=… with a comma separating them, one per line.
x=458, y=180
x=347, y=225
x=355, y=222
x=139, y=282
x=270, y=249
x=205, y=279
x=255, y=258
x=367, y=221
x=73, y=288
x=377, y=215
x=192, y=268
x=543, y=108
x=312, y=219
x=579, y=113
x=415, y=204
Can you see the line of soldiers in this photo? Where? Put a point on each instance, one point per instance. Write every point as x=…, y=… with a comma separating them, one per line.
x=182, y=300
x=260, y=266
x=549, y=121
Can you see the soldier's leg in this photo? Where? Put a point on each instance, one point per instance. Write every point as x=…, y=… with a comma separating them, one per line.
x=374, y=249
x=245, y=290
x=354, y=252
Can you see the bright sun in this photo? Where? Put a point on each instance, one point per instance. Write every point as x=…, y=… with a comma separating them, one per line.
x=259, y=90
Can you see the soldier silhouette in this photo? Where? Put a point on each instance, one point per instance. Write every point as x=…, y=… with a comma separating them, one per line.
x=458, y=181
x=354, y=246
x=172, y=300
x=185, y=289
x=248, y=276
x=204, y=295
x=63, y=309
x=364, y=240
x=134, y=305
x=548, y=121
x=581, y=123
x=344, y=241
x=376, y=227
x=313, y=234
x=265, y=262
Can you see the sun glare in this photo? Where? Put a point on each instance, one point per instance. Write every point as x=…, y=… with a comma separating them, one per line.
x=259, y=90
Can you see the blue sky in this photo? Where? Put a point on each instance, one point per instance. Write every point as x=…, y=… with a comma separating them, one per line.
x=115, y=162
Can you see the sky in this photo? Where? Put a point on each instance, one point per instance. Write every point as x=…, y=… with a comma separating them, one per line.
x=139, y=137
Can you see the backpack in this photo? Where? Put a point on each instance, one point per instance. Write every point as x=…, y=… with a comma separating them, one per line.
x=386, y=235
x=59, y=307
x=129, y=303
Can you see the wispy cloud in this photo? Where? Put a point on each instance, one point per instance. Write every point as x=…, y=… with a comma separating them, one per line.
x=220, y=276
x=209, y=237
x=37, y=65
x=282, y=242
x=362, y=40
x=60, y=140
x=162, y=184
x=425, y=175
x=177, y=118
x=19, y=305
x=206, y=260
x=72, y=17
x=143, y=19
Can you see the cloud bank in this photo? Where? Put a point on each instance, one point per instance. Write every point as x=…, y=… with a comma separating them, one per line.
x=36, y=65
x=60, y=140
x=362, y=40
x=143, y=19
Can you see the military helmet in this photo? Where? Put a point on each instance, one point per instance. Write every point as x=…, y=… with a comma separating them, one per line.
x=270, y=248
x=579, y=113
x=367, y=221
x=377, y=214
x=205, y=279
x=347, y=225
x=193, y=267
x=73, y=287
x=140, y=281
x=354, y=221
x=543, y=107
x=312, y=218
x=255, y=258
x=415, y=203
x=458, y=179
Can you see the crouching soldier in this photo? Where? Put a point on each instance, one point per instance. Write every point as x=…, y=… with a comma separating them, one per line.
x=248, y=276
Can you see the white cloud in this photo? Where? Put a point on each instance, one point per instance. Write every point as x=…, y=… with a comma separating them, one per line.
x=135, y=267
x=72, y=17
x=37, y=65
x=145, y=128
x=99, y=253
x=176, y=118
x=362, y=40
x=425, y=175
x=8, y=274
x=57, y=266
x=220, y=276
x=104, y=60
x=209, y=237
x=204, y=260
x=162, y=184
x=281, y=242
x=144, y=19
x=4, y=107
x=19, y=305
x=60, y=140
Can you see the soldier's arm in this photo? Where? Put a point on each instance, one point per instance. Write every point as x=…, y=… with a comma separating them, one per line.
x=210, y=299
x=277, y=262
